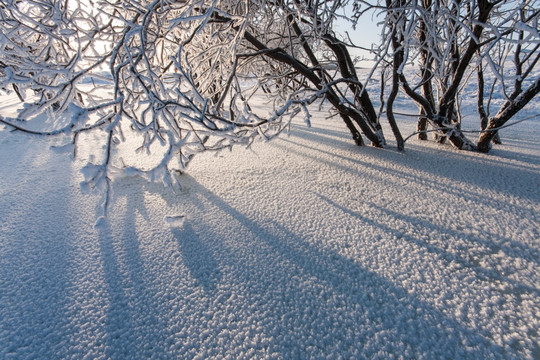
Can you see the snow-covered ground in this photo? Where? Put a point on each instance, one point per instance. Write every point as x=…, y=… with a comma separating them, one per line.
x=303, y=247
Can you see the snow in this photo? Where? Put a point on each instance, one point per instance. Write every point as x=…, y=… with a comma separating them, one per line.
x=302, y=247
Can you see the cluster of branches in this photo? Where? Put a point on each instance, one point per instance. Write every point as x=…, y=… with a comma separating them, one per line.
x=186, y=76
x=452, y=44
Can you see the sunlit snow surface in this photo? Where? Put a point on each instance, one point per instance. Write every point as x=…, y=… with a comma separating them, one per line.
x=304, y=247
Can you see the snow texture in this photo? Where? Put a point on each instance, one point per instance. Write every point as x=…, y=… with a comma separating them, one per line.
x=304, y=247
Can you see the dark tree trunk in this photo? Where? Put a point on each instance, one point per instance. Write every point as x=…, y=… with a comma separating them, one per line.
x=390, y=113
x=398, y=59
x=361, y=96
x=484, y=119
x=480, y=98
x=346, y=113
x=427, y=74
x=509, y=109
x=443, y=118
x=449, y=96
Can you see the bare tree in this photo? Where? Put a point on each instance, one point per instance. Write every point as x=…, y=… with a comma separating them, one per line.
x=181, y=73
x=437, y=46
x=512, y=59
x=181, y=77
x=446, y=42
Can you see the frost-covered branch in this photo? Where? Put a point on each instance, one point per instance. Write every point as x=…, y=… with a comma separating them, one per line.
x=175, y=78
x=438, y=45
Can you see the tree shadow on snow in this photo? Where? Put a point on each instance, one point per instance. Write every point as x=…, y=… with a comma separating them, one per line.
x=456, y=166
x=314, y=301
x=466, y=261
x=36, y=254
x=134, y=326
x=197, y=257
x=519, y=181
x=137, y=323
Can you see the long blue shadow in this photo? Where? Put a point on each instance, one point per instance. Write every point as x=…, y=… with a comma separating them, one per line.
x=134, y=327
x=36, y=237
x=506, y=244
x=445, y=256
x=365, y=306
x=198, y=258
